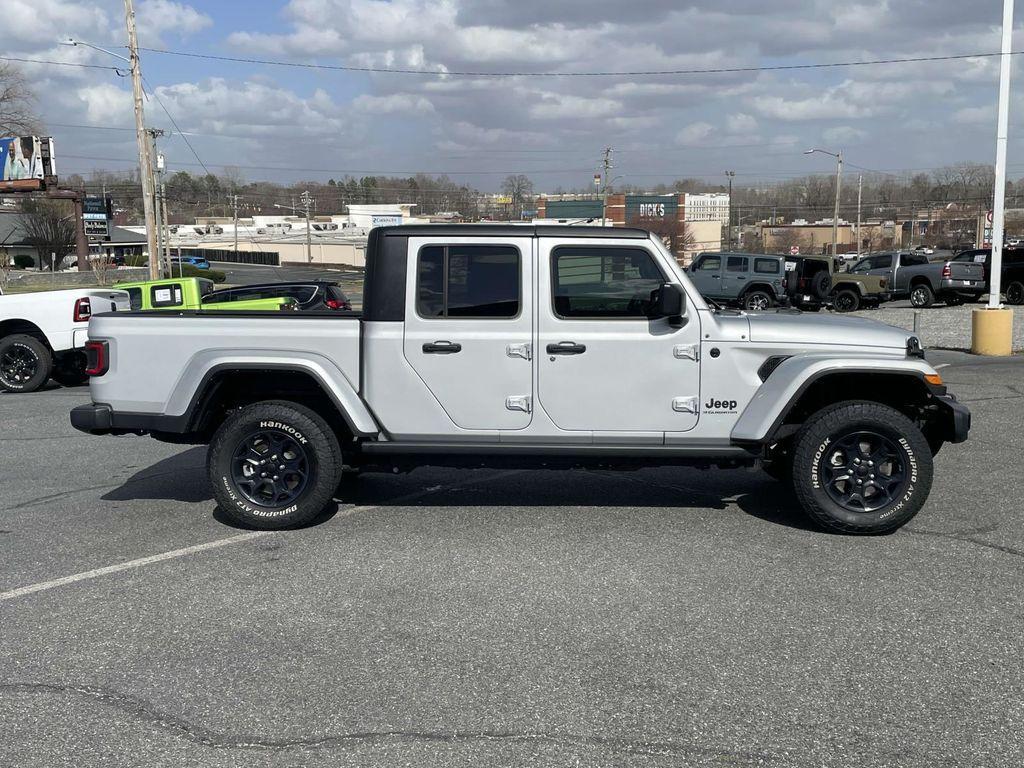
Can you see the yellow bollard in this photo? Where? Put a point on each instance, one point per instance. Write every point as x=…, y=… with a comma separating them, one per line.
x=992, y=332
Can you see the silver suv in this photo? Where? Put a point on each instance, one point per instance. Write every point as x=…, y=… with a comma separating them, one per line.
x=753, y=281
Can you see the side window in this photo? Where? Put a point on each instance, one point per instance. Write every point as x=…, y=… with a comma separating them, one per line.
x=596, y=282
x=736, y=264
x=135, y=298
x=481, y=281
x=766, y=266
x=710, y=264
x=165, y=295
x=912, y=259
x=882, y=262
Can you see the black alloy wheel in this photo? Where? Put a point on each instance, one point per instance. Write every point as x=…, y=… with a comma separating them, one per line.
x=845, y=301
x=1015, y=293
x=18, y=365
x=270, y=468
x=863, y=471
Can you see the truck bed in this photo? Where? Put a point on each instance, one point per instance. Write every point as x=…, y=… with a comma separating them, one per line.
x=159, y=360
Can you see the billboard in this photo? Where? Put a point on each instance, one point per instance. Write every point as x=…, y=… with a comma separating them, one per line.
x=27, y=163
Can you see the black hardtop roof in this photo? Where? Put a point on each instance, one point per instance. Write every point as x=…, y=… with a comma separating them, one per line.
x=510, y=230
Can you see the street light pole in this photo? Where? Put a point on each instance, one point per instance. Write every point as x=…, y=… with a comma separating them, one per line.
x=728, y=229
x=839, y=180
x=860, y=191
x=604, y=187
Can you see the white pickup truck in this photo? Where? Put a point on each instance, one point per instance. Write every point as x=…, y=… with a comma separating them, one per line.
x=532, y=346
x=42, y=335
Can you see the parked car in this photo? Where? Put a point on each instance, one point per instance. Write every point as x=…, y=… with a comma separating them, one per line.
x=314, y=295
x=192, y=293
x=819, y=282
x=199, y=262
x=912, y=276
x=753, y=281
x=1012, y=281
x=43, y=335
x=531, y=346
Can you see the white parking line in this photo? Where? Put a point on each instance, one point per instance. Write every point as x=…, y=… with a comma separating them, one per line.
x=96, y=572
x=239, y=539
x=942, y=365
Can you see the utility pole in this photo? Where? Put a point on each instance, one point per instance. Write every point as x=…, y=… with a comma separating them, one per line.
x=860, y=192
x=234, y=205
x=728, y=229
x=604, y=185
x=306, y=202
x=145, y=158
x=835, y=211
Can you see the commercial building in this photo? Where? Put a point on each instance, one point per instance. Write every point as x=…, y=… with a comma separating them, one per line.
x=665, y=215
x=707, y=206
x=816, y=237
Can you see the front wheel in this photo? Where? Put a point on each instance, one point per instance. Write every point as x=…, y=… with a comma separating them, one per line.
x=1015, y=293
x=922, y=296
x=274, y=464
x=861, y=467
x=757, y=301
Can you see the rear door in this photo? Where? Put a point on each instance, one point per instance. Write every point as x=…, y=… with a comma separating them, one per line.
x=706, y=275
x=469, y=328
x=736, y=275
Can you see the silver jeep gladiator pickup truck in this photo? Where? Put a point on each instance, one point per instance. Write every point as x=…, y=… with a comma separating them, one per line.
x=528, y=346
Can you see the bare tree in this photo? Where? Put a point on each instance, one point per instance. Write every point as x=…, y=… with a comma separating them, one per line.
x=103, y=268
x=518, y=187
x=48, y=231
x=677, y=235
x=17, y=116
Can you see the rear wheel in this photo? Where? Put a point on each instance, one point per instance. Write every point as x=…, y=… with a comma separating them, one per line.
x=1015, y=293
x=757, y=300
x=274, y=464
x=25, y=363
x=845, y=300
x=954, y=299
x=922, y=296
x=861, y=467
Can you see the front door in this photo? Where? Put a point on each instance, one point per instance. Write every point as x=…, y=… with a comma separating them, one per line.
x=706, y=275
x=603, y=365
x=469, y=328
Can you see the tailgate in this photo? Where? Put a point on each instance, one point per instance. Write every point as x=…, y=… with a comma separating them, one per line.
x=966, y=270
x=107, y=300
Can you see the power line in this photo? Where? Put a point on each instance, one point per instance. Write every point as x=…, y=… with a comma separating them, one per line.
x=119, y=70
x=610, y=73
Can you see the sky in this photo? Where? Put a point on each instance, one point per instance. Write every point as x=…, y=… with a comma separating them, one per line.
x=292, y=124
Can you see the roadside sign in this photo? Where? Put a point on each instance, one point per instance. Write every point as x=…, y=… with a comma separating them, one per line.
x=97, y=229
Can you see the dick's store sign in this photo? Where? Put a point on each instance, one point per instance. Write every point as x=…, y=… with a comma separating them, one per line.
x=651, y=207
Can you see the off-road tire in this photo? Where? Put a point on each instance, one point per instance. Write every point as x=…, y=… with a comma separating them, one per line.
x=845, y=300
x=1015, y=293
x=821, y=286
x=277, y=420
x=69, y=371
x=27, y=351
x=757, y=300
x=921, y=296
x=828, y=427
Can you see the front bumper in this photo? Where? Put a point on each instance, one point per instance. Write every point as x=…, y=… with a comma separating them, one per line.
x=956, y=418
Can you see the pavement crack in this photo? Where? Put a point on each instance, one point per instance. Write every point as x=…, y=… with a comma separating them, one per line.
x=143, y=711
x=969, y=537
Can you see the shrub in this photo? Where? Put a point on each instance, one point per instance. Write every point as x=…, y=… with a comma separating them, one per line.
x=187, y=270
x=135, y=260
x=24, y=261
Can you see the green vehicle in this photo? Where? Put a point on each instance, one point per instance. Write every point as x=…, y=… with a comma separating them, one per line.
x=191, y=293
x=815, y=281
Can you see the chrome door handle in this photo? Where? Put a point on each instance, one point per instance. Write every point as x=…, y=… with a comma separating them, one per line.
x=442, y=348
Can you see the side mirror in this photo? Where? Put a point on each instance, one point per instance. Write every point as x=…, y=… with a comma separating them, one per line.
x=670, y=303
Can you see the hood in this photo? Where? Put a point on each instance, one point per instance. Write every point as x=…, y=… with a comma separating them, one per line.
x=816, y=328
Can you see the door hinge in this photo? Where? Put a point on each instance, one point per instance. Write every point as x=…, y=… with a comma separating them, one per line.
x=686, y=352
x=524, y=351
x=685, y=404
x=519, y=403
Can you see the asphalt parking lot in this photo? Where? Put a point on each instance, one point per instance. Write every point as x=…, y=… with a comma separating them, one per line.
x=492, y=618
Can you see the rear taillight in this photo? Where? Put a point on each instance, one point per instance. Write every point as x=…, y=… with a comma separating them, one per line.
x=83, y=310
x=97, y=358
x=947, y=271
x=333, y=304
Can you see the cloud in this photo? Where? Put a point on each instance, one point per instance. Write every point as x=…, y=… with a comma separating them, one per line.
x=169, y=17
x=741, y=123
x=694, y=133
x=843, y=134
